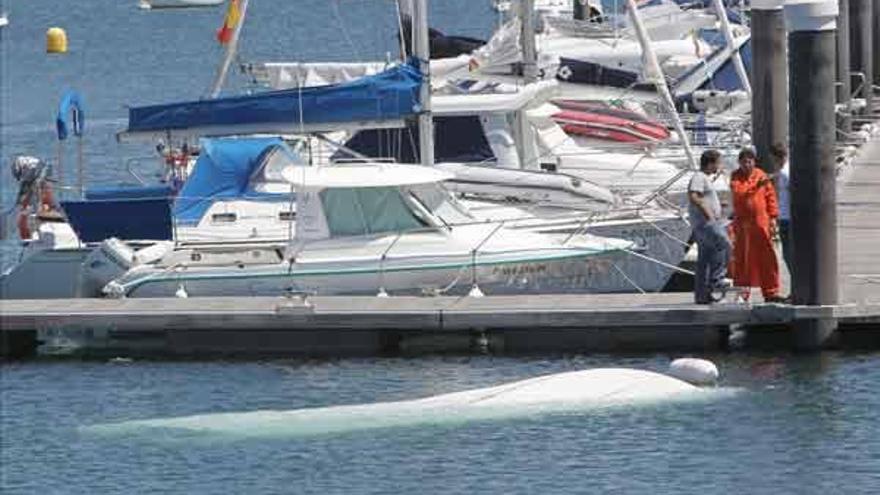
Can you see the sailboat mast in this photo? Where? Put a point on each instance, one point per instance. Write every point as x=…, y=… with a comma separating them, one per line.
x=421, y=51
x=728, y=36
x=231, y=50
x=655, y=75
x=522, y=128
x=527, y=35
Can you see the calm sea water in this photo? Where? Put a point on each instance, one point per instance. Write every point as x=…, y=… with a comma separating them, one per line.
x=778, y=424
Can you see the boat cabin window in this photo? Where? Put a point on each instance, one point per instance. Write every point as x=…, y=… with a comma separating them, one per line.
x=268, y=178
x=438, y=201
x=223, y=217
x=287, y=216
x=367, y=210
x=274, y=162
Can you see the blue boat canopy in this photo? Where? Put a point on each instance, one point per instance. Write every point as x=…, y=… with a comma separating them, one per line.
x=388, y=96
x=224, y=170
x=717, y=71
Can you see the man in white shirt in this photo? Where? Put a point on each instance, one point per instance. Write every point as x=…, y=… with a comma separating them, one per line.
x=713, y=246
x=779, y=154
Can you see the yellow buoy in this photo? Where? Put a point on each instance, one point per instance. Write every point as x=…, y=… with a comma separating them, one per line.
x=56, y=40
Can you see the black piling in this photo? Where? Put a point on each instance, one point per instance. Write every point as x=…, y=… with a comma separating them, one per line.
x=844, y=85
x=769, y=74
x=861, y=40
x=876, y=46
x=580, y=9
x=811, y=45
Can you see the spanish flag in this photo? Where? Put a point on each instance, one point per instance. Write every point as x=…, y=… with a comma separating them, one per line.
x=233, y=15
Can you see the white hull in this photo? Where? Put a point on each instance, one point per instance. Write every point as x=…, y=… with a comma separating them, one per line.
x=494, y=275
x=659, y=248
x=660, y=239
x=561, y=392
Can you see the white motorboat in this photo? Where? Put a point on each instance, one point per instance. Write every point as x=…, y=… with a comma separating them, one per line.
x=367, y=229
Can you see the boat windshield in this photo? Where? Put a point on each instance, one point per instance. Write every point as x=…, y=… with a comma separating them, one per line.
x=439, y=203
x=268, y=176
x=368, y=210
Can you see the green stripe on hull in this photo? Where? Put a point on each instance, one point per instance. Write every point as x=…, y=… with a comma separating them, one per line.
x=348, y=271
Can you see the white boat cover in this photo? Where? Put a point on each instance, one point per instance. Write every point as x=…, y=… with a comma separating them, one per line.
x=469, y=104
x=362, y=175
x=563, y=183
x=289, y=75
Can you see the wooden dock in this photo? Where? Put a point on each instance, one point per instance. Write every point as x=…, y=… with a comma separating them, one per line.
x=324, y=325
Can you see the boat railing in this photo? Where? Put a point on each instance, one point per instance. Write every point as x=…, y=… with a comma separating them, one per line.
x=136, y=162
x=356, y=160
x=472, y=252
x=581, y=228
x=382, y=259
x=857, y=89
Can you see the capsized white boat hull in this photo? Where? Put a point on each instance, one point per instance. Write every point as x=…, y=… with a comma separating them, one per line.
x=561, y=392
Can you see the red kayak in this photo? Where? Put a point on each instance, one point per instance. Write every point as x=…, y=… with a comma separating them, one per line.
x=613, y=124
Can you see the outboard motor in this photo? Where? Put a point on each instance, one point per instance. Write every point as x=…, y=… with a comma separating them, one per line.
x=34, y=193
x=112, y=258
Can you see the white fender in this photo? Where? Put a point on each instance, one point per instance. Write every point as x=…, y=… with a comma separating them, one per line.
x=693, y=370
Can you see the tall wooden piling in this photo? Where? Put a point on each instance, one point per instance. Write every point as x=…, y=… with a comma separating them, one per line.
x=861, y=23
x=876, y=46
x=769, y=74
x=811, y=44
x=581, y=11
x=844, y=84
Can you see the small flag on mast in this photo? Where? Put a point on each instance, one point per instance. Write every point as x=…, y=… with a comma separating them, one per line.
x=230, y=22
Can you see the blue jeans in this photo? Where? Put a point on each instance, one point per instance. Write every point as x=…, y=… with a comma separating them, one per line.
x=712, y=259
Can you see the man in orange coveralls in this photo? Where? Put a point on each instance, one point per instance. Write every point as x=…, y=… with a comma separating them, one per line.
x=754, y=211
